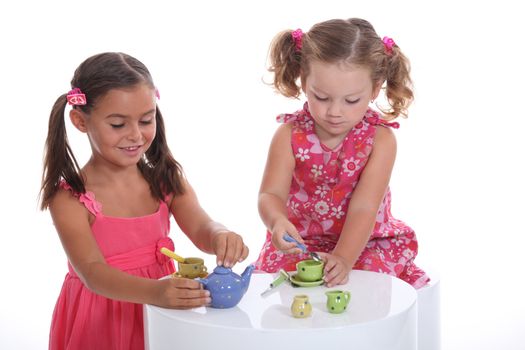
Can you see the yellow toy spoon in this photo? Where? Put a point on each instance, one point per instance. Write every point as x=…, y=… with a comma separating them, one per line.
x=171, y=254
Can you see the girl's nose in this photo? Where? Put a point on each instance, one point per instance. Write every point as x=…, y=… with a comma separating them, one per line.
x=134, y=133
x=334, y=110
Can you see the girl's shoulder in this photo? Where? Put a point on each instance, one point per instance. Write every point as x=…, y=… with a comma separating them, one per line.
x=385, y=141
x=66, y=204
x=66, y=195
x=282, y=137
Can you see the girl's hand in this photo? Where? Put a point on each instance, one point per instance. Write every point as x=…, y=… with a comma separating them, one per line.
x=181, y=293
x=229, y=248
x=280, y=228
x=336, y=269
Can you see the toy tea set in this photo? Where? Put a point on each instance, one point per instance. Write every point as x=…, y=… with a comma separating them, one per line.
x=227, y=288
x=309, y=274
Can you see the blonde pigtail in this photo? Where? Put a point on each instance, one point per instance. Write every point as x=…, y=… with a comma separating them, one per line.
x=285, y=64
x=398, y=85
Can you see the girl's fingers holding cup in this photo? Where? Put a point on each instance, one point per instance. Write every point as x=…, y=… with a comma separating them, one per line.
x=329, y=263
x=337, y=275
x=331, y=271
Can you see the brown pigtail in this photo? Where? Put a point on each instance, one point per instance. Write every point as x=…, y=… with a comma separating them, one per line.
x=59, y=161
x=160, y=164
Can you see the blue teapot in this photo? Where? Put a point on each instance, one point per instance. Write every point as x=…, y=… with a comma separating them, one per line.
x=226, y=288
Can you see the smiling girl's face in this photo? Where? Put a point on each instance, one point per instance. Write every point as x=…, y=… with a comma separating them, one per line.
x=338, y=96
x=121, y=126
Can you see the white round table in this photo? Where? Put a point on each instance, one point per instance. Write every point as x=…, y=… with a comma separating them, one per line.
x=382, y=314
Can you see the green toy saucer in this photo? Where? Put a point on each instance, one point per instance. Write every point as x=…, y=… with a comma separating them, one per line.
x=295, y=280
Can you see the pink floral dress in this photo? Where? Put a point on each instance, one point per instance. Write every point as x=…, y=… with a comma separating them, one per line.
x=85, y=320
x=321, y=188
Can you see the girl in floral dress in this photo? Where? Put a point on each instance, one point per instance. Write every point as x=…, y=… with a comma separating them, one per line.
x=326, y=180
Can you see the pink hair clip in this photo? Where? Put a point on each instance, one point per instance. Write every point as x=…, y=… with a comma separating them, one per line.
x=157, y=94
x=75, y=97
x=389, y=44
x=297, y=36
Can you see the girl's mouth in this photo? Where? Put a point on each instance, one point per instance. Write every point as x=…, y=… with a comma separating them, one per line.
x=130, y=148
x=131, y=151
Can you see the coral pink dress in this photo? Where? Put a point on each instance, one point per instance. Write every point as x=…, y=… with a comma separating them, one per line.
x=321, y=188
x=85, y=320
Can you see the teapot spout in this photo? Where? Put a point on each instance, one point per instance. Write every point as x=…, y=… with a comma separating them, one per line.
x=246, y=276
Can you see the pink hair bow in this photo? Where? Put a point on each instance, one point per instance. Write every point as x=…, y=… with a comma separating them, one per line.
x=389, y=44
x=75, y=97
x=297, y=36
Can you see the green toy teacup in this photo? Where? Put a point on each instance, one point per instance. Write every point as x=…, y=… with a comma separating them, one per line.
x=310, y=270
x=337, y=300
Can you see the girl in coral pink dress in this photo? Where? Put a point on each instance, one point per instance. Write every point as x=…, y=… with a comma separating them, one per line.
x=329, y=164
x=112, y=215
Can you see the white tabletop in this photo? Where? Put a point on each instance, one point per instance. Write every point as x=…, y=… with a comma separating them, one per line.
x=379, y=304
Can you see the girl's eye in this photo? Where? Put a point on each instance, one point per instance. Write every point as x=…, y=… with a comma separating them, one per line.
x=321, y=98
x=146, y=122
x=352, y=101
x=116, y=126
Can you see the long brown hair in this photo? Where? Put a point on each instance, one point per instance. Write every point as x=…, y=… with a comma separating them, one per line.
x=353, y=41
x=95, y=77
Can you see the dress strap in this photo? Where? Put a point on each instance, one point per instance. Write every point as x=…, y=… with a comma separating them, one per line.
x=301, y=116
x=87, y=199
x=374, y=118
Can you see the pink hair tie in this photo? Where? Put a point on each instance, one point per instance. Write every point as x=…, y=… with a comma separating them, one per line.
x=389, y=44
x=297, y=36
x=75, y=97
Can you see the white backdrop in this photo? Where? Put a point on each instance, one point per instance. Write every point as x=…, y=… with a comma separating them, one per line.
x=457, y=179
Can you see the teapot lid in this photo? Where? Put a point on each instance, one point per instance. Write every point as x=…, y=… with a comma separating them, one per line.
x=221, y=270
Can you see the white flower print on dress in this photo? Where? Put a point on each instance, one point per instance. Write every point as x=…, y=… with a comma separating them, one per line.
x=321, y=207
x=397, y=241
x=337, y=212
x=294, y=207
x=309, y=124
x=317, y=170
x=407, y=253
x=322, y=190
x=302, y=154
x=350, y=166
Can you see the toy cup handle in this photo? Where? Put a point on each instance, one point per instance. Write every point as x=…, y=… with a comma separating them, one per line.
x=347, y=296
